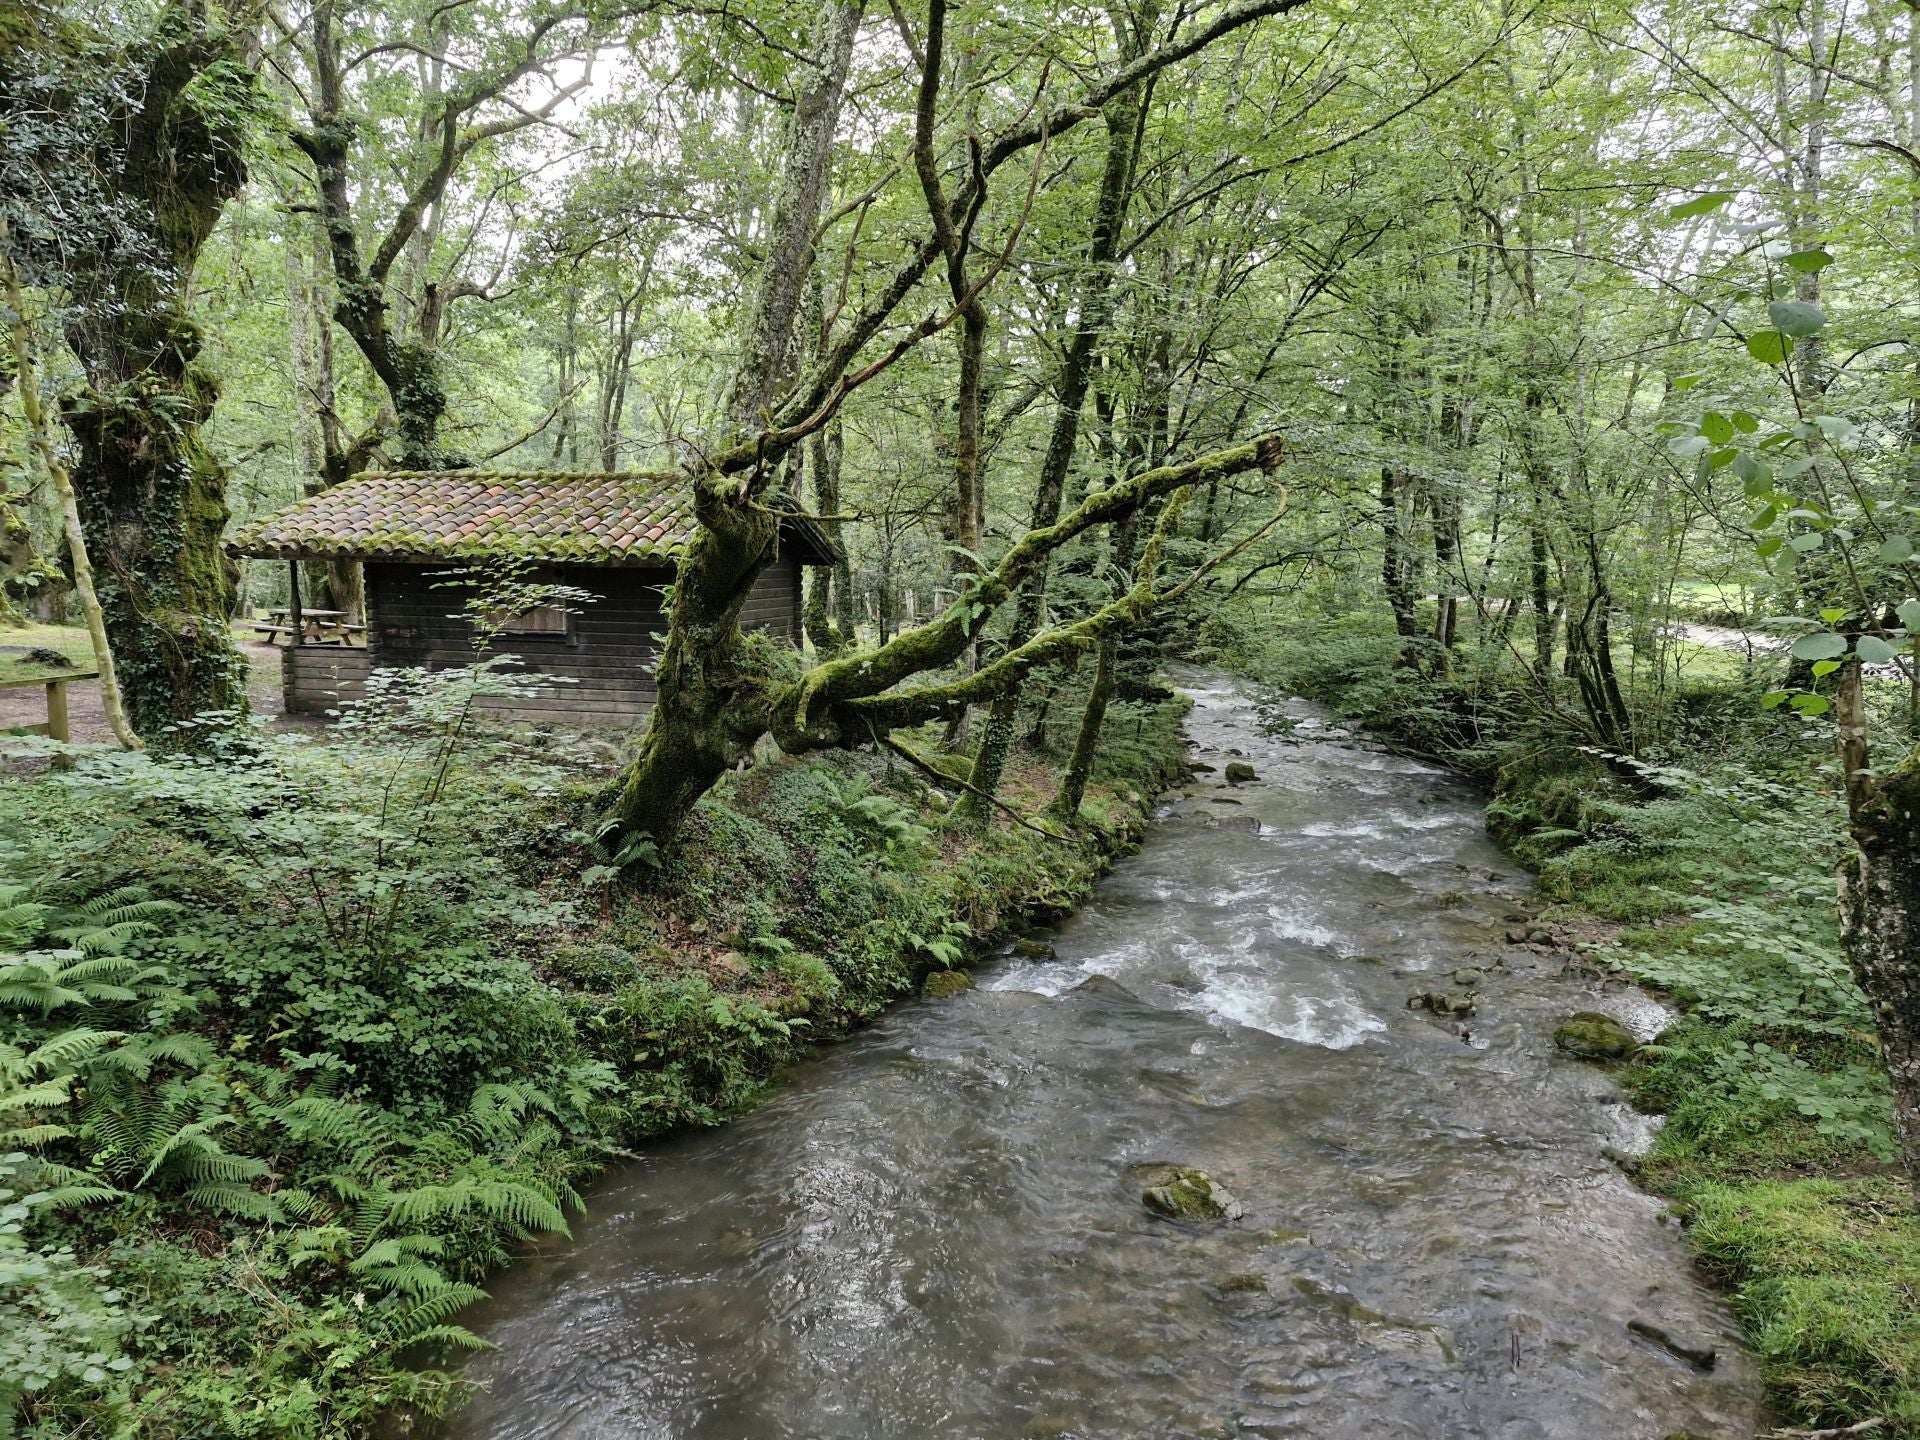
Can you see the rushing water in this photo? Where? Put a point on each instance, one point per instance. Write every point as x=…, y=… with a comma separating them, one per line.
x=935, y=1229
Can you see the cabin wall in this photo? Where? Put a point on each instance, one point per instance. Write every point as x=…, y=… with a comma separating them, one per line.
x=319, y=678
x=608, y=652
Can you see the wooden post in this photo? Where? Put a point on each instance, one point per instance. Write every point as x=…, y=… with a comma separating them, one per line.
x=57, y=711
x=294, y=618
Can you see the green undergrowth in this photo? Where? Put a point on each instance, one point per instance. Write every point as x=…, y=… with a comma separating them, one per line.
x=1706, y=868
x=298, y=1041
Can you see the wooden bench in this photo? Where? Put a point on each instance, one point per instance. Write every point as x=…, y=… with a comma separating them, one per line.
x=56, y=727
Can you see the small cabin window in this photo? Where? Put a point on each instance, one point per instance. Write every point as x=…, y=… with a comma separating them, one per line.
x=540, y=620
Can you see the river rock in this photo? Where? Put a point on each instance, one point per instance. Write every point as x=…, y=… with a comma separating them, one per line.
x=1034, y=949
x=1467, y=976
x=1441, y=1004
x=1593, y=1036
x=1239, y=772
x=1189, y=1194
x=945, y=984
x=1696, y=1349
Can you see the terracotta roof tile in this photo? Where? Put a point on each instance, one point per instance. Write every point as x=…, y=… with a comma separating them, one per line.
x=621, y=518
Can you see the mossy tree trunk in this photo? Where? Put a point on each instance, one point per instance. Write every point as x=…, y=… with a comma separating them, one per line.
x=151, y=494
x=1880, y=907
x=718, y=691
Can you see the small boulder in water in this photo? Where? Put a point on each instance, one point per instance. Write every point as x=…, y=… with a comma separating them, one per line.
x=1698, y=1351
x=1441, y=1004
x=1034, y=949
x=1239, y=773
x=945, y=984
x=1593, y=1036
x=1189, y=1194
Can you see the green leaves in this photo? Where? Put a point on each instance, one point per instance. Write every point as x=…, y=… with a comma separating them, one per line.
x=1700, y=205
x=1716, y=427
x=1821, y=645
x=1896, y=549
x=1807, y=262
x=1873, y=650
x=1798, y=318
x=1769, y=347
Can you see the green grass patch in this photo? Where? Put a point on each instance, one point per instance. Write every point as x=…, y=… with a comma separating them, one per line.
x=67, y=640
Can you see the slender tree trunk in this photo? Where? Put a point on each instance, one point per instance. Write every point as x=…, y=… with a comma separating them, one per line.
x=1396, y=570
x=40, y=437
x=1880, y=907
x=1095, y=306
x=1106, y=672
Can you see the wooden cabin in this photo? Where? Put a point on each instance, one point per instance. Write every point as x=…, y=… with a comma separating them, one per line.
x=422, y=536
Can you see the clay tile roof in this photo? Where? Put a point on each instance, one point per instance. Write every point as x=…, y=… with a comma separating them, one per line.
x=606, y=518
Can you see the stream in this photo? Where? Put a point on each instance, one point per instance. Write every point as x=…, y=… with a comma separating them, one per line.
x=935, y=1228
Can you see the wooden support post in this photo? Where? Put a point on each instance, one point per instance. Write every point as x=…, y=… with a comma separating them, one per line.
x=57, y=711
x=294, y=617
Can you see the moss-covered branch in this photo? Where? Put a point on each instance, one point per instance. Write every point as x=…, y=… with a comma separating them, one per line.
x=941, y=641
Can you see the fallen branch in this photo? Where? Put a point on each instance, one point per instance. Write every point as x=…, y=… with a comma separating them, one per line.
x=944, y=780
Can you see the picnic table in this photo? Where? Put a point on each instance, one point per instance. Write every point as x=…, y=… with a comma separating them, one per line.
x=307, y=627
x=56, y=726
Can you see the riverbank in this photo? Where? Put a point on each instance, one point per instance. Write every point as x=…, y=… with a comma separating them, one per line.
x=295, y=1077
x=1710, y=883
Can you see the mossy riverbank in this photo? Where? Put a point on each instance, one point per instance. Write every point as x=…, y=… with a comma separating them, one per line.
x=283, y=1088
x=1710, y=882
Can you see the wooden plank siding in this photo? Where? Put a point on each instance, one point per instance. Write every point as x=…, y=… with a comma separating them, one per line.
x=608, y=649
x=319, y=678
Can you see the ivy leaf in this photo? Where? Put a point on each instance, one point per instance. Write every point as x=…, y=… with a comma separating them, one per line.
x=1797, y=318
x=1896, y=549
x=1769, y=347
x=1716, y=427
x=1873, y=650
x=1701, y=205
x=1807, y=262
x=1821, y=645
